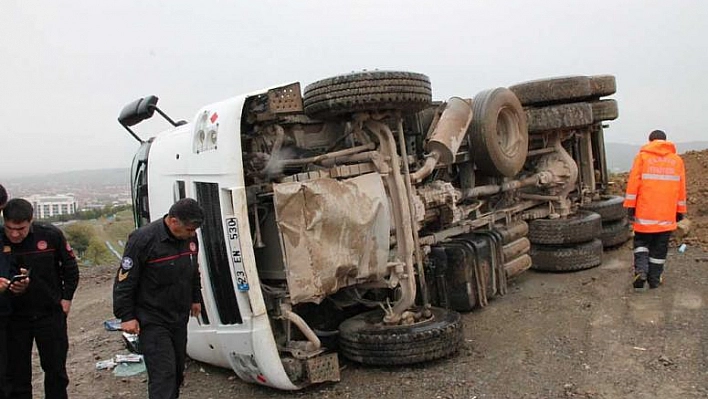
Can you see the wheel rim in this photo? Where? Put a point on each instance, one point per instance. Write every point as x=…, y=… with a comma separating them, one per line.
x=508, y=134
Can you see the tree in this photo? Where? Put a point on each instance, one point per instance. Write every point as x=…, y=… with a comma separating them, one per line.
x=79, y=236
x=97, y=253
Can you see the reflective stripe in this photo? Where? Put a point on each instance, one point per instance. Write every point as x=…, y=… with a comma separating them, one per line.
x=649, y=222
x=681, y=203
x=630, y=196
x=640, y=249
x=657, y=261
x=654, y=176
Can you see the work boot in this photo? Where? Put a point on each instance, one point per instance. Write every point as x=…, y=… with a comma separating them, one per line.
x=655, y=282
x=639, y=281
x=655, y=276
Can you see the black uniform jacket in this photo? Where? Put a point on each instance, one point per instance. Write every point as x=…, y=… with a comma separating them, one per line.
x=7, y=270
x=158, y=278
x=52, y=267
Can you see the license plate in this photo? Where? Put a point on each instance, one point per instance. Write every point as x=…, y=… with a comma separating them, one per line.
x=236, y=254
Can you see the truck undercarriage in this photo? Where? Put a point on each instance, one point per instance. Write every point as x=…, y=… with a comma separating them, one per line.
x=374, y=214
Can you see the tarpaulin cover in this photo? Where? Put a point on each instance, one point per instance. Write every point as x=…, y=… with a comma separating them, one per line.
x=334, y=233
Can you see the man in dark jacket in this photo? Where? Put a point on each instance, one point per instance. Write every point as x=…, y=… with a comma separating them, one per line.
x=39, y=315
x=156, y=289
x=7, y=288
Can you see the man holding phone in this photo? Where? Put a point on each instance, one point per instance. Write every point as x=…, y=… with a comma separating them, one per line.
x=9, y=285
x=39, y=315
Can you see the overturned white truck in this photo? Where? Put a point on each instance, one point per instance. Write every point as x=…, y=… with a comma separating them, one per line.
x=359, y=216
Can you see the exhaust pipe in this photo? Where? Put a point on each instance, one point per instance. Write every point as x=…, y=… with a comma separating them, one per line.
x=447, y=137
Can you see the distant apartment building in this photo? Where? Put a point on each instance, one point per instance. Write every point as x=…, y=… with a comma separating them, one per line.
x=46, y=206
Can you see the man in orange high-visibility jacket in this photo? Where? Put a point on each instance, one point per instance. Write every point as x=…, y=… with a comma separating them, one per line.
x=656, y=200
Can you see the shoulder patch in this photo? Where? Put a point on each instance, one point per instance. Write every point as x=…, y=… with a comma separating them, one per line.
x=126, y=263
x=41, y=245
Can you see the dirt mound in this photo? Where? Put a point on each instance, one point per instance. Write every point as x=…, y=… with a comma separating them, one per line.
x=697, y=185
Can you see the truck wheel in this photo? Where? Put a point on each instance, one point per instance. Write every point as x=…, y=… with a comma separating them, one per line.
x=610, y=207
x=365, y=339
x=554, y=258
x=563, y=116
x=603, y=85
x=367, y=91
x=580, y=227
x=615, y=233
x=564, y=89
x=553, y=91
x=498, y=133
x=604, y=110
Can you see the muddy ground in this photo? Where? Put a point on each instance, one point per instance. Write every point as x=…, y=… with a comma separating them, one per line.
x=573, y=335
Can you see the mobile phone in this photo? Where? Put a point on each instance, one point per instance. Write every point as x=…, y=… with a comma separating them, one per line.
x=18, y=277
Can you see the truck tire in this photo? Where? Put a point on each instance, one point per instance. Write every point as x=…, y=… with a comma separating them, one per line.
x=563, y=116
x=604, y=110
x=365, y=339
x=498, y=133
x=580, y=227
x=554, y=258
x=610, y=207
x=615, y=233
x=554, y=90
x=603, y=85
x=367, y=91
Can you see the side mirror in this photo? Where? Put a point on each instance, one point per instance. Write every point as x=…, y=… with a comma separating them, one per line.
x=138, y=111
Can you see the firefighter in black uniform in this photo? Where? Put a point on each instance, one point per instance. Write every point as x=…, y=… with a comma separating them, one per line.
x=39, y=315
x=155, y=290
x=7, y=288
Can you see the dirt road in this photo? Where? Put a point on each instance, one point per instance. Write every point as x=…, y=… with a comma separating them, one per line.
x=576, y=335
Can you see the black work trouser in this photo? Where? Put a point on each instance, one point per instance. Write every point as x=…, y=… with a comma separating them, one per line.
x=3, y=357
x=49, y=332
x=650, y=251
x=164, y=349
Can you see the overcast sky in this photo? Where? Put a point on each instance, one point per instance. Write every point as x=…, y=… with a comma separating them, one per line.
x=68, y=67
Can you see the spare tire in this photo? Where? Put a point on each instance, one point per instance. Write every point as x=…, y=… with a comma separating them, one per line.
x=367, y=91
x=579, y=227
x=498, y=133
x=554, y=258
x=365, y=339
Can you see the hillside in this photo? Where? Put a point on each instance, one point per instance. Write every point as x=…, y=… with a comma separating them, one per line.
x=620, y=155
x=101, y=177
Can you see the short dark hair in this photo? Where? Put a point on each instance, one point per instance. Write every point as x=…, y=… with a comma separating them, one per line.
x=657, y=135
x=18, y=210
x=187, y=211
x=3, y=196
